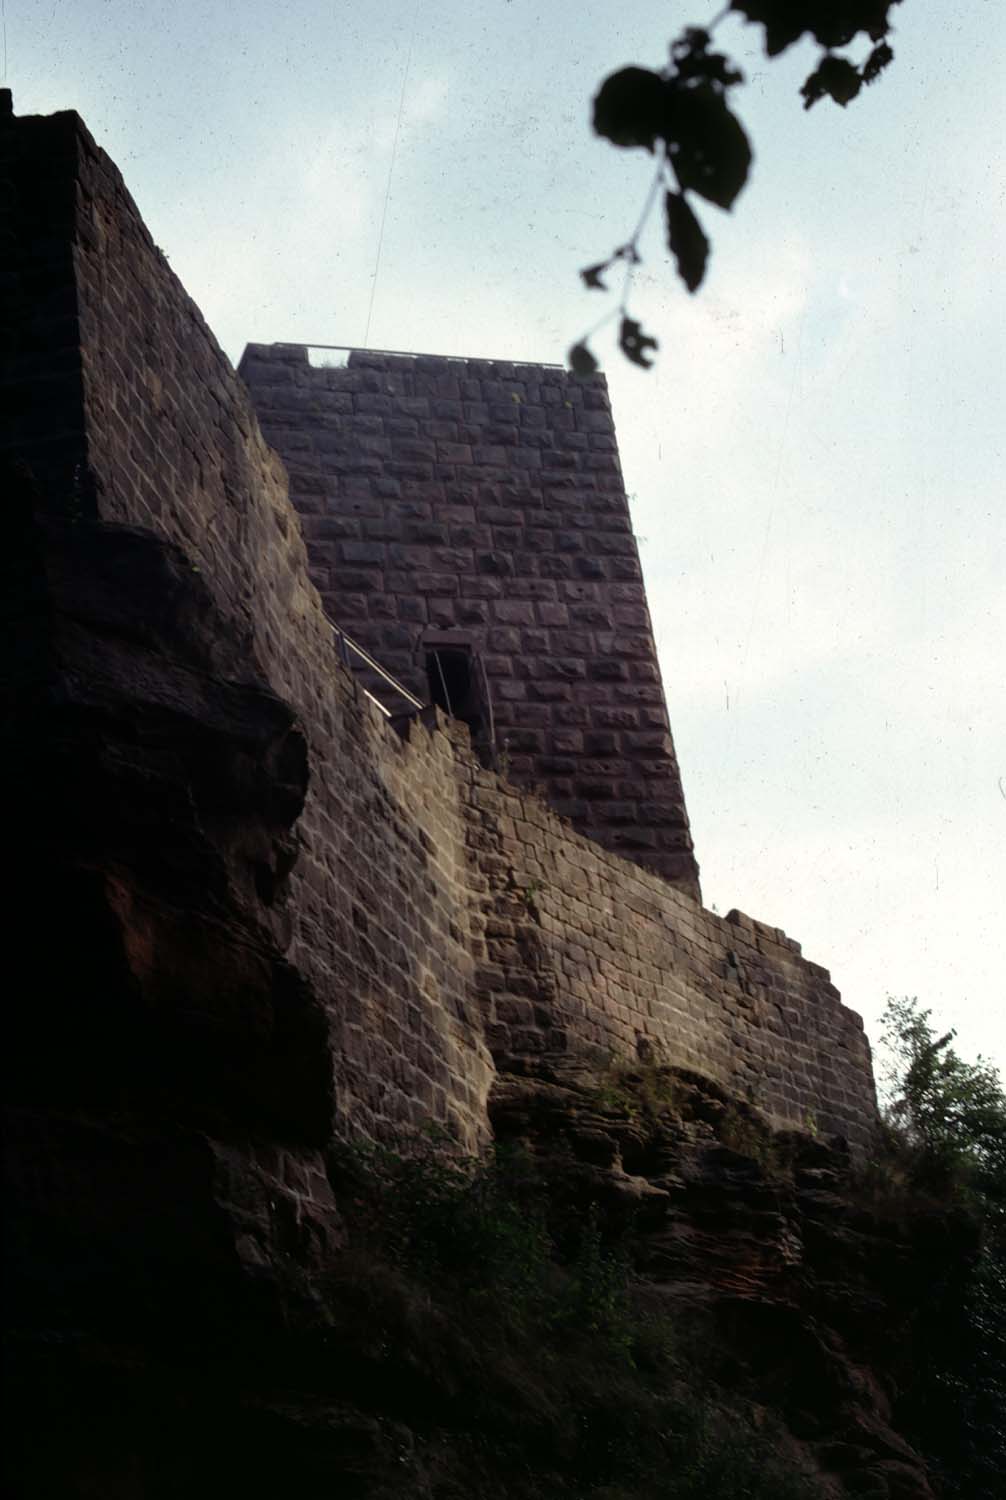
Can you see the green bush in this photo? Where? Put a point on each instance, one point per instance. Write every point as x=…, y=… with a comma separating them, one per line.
x=948, y=1113
x=944, y=1139
x=642, y=1091
x=483, y=1226
x=523, y=1325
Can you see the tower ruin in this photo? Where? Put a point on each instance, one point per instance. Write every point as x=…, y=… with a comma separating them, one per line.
x=467, y=523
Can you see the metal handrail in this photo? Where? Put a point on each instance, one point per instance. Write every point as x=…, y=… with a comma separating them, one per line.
x=347, y=645
x=487, y=695
x=460, y=359
x=443, y=683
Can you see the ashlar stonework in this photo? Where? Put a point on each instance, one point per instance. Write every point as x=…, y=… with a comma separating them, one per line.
x=435, y=923
x=472, y=510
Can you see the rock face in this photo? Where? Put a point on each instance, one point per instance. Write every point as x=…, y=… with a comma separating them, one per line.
x=157, y=1029
x=806, y=1293
x=359, y=1382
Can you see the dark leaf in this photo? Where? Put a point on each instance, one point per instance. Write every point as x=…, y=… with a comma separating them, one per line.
x=581, y=361
x=785, y=21
x=591, y=275
x=834, y=76
x=707, y=146
x=686, y=240
x=839, y=22
x=877, y=61
x=630, y=108
x=634, y=343
x=835, y=23
x=880, y=23
x=692, y=60
x=692, y=41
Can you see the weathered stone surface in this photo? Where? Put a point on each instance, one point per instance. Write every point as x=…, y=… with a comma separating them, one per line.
x=808, y=1298
x=538, y=535
x=405, y=846
x=157, y=1031
x=257, y=915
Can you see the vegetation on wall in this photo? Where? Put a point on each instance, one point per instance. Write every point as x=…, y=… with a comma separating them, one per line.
x=517, y=1321
x=511, y=1318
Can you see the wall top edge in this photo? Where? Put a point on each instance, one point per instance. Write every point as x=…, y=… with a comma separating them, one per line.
x=359, y=358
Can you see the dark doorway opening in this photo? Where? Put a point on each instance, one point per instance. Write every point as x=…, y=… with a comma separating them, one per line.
x=454, y=685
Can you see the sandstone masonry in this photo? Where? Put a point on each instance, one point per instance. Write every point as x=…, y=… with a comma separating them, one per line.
x=443, y=923
x=476, y=506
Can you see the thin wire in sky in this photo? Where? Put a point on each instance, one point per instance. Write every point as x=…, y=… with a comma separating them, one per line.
x=391, y=173
x=773, y=494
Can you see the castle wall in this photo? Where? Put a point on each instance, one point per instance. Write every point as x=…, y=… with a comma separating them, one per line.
x=449, y=923
x=378, y=894
x=473, y=501
x=41, y=418
x=586, y=953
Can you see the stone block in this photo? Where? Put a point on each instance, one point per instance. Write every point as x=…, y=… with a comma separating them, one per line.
x=608, y=670
x=514, y=612
x=453, y=453
x=437, y=583
x=494, y=562
x=356, y=581
x=364, y=554
x=410, y=557
x=472, y=612
x=545, y=690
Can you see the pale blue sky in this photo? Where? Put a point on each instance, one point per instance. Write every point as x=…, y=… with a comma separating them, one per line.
x=817, y=462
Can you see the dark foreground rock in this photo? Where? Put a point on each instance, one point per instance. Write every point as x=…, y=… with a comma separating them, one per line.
x=202, y=1301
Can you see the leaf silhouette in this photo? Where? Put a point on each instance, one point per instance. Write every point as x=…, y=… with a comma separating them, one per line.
x=681, y=114
x=591, y=275
x=581, y=361
x=634, y=343
x=834, y=76
x=692, y=59
x=630, y=107
x=838, y=22
x=834, y=23
x=686, y=241
x=707, y=146
x=877, y=61
x=783, y=24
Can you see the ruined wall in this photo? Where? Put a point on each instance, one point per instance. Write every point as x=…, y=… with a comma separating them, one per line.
x=445, y=922
x=41, y=418
x=478, y=502
x=587, y=953
x=381, y=924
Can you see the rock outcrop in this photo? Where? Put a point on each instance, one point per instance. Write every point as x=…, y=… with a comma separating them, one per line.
x=166, y=1067
x=806, y=1291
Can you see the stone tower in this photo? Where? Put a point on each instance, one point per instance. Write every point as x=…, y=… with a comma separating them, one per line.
x=467, y=524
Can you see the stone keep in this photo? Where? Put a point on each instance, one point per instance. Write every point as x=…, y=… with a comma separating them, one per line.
x=467, y=523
